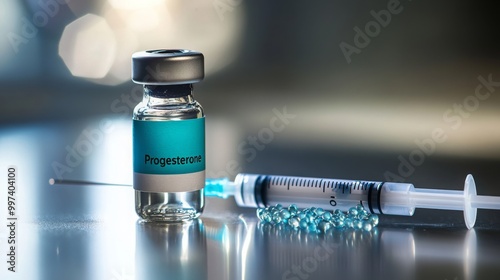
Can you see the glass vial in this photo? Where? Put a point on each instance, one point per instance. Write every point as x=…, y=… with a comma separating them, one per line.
x=168, y=136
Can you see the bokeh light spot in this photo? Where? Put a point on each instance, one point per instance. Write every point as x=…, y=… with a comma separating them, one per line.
x=88, y=47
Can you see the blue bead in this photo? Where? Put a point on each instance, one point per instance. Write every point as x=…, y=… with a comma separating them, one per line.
x=357, y=224
x=311, y=227
x=338, y=212
x=349, y=223
x=338, y=224
x=279, y=206
x=302, y=215
x=294, y=222
x=263, y=214
x=360, y=208
x=268, y=218
x=353, y=212
x=277, y=219
x=309, y=218
x=285, y=214
x=341, y=216
x=364, y=214
x=324, y=226
x=259, y=213
x=327, y=216
x=367, y=225
x=319, y=211
x=292, y=209
x=303, y=224
x=374, y=219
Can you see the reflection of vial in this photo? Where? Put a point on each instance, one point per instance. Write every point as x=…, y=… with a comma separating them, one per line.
x=168, y=136
x=171, y=251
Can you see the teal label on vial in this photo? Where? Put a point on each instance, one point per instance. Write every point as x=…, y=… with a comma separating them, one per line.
x=169, y=147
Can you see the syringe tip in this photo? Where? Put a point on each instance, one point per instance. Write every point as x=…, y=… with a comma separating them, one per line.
x=52, y=181
x=218, y=187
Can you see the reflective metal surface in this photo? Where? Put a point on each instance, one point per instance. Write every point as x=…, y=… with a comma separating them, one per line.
x=92, y=232
x=171, y=251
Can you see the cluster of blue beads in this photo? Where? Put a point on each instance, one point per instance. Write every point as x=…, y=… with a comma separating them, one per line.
x=316, y=219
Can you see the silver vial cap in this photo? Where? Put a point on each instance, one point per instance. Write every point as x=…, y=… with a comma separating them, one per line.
x=167, y=67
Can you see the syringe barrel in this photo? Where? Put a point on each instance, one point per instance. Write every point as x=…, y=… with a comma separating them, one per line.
x=250, y=190
x=395, y=199
x=266, y=190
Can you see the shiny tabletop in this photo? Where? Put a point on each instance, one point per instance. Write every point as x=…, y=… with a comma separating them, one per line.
x=92, y=232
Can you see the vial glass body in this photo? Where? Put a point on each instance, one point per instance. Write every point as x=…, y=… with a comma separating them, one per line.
x=168, y=103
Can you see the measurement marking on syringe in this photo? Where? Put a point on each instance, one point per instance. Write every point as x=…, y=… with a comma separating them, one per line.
x=347, y=187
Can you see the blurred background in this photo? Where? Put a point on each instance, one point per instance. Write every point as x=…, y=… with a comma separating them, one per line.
x=378, y=90
x=385, y=90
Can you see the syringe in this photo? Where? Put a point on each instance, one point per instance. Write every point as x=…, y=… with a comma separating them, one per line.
x=253, y=190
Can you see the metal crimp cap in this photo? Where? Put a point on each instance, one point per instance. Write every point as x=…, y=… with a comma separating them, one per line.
x=167, y=67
